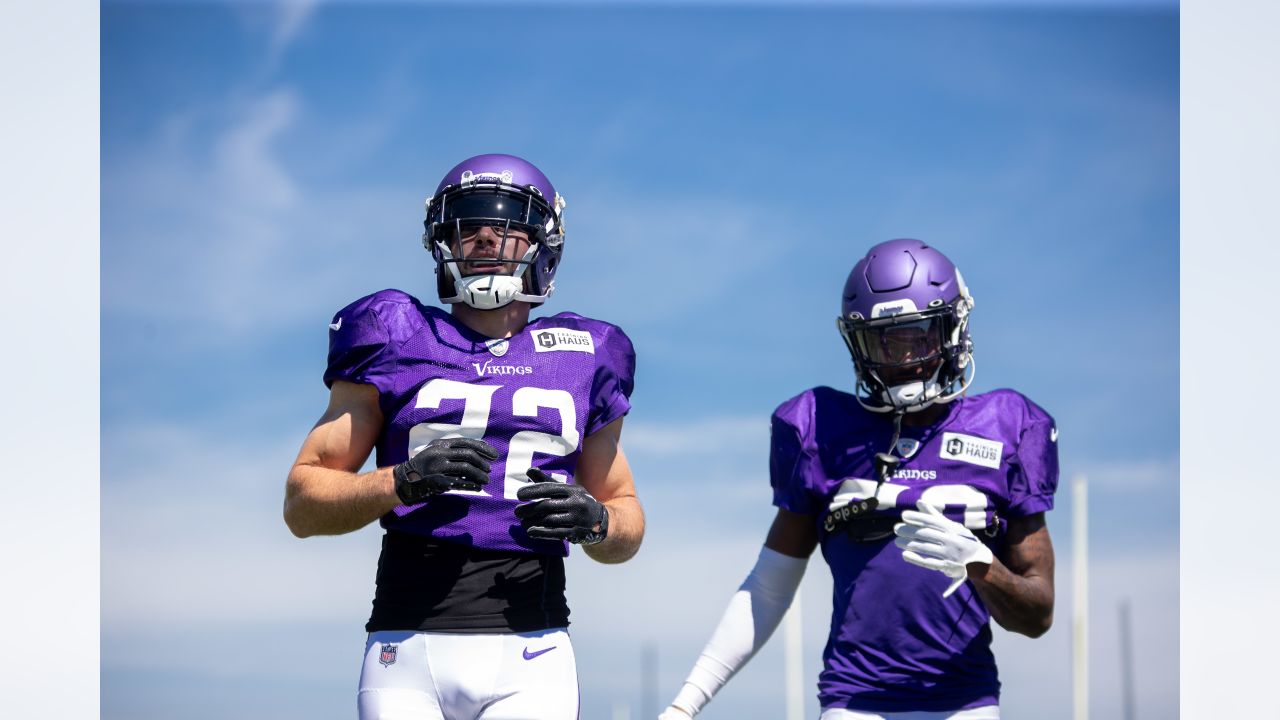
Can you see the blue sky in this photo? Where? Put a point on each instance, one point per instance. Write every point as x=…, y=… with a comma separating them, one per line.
x=724, y=167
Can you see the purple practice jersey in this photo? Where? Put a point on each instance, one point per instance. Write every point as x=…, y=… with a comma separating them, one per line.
x=534, y=397
x=895, y=644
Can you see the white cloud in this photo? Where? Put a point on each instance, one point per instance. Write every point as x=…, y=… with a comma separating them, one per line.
x=291, y=16
x=192, y=527
x=279, y=22
x=700, y=436
x=1132, y=476
x=1037, y=673
x=246, y=167
x=225, y=245
x=692, y=255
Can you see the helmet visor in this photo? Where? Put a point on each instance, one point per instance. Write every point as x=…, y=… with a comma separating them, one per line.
x=899, y=344
x=495, y=206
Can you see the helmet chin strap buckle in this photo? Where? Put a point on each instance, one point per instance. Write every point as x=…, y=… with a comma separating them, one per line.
x=913, y=396
x=485, y=292
x=489, y=292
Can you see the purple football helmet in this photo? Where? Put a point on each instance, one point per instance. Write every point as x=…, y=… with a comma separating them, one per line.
x=513, y=198
x=905, y=318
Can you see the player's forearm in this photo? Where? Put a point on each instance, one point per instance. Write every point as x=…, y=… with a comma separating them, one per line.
x=1021, y=604
x=324, y=501
x=754, y=612
x=626, y=530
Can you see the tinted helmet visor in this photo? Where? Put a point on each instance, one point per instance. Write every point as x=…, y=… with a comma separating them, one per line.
x=899, y=344
x=495, y=205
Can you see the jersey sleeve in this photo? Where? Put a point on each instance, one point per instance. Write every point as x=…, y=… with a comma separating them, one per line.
x=359, y=346
x=614, y=379
x=1035, y=476
x=789, y=462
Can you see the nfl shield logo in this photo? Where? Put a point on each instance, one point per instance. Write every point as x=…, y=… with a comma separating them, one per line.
x=388, y=654
x=907, y=447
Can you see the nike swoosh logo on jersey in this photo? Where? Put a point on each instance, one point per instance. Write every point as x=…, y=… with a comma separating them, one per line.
x=1053, y=435
x=531, y=655
x=336, y=326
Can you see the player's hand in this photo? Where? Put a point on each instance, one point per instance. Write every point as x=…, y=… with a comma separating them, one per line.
x=443, y=465
x=674, y=713
x=557, y=511
x=930, y=540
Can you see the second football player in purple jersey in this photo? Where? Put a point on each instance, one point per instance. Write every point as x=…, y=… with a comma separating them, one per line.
x=928, y=506
x=497, y=445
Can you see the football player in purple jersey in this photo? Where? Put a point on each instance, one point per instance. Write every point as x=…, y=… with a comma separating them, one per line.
x=497, y=442
x=928, y=506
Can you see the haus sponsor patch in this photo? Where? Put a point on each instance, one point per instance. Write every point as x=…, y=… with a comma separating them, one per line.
x=970, y=449
x=556, y=339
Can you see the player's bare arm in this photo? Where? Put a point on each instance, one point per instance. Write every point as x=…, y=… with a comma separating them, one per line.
x=792, y=534
x=603, y=471
x=753, y=614
x=1017, y=587
x=325, y=495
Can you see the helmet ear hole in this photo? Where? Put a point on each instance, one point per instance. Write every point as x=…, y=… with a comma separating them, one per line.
x=444, y=282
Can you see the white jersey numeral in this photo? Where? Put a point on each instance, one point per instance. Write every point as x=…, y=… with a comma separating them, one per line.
x=975, y=503
x=477, y=405
x=855, y=489
x=939, y=496
x=524, y=444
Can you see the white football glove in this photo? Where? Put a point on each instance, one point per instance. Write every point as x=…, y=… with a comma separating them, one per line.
x=930, y=540
x=674, y=713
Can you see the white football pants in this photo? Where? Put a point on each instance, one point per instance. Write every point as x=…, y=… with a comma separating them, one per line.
x=987, y=712
x=437, y=676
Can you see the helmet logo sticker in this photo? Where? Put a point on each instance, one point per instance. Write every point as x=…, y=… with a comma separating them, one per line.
x=505, y=177
x=894, y=307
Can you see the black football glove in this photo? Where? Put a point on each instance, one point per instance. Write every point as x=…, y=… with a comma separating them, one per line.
x=443, y=465
x=557, y=511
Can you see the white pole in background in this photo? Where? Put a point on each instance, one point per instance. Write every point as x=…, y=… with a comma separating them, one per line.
x=1126, y=660
x=1080, y=600
x=794, y=661
x=649, y=681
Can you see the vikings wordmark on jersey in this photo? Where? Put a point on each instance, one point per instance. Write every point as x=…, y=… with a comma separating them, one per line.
x=893, y=645
x=437, y=378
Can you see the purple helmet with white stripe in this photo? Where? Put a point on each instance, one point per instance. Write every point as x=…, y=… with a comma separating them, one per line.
x=517, y=202
x=905, y=318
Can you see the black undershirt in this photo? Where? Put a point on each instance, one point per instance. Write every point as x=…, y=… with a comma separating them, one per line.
x=433, y=586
